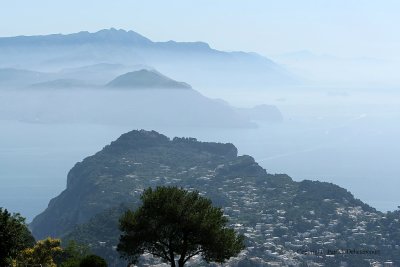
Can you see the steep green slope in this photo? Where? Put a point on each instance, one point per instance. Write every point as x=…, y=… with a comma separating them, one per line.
x=121, y=170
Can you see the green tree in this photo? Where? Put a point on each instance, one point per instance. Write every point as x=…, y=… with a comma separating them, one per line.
x=14, y=236
x=43, y=252
x=93, y=261
x=72, y=254
x=175, y=224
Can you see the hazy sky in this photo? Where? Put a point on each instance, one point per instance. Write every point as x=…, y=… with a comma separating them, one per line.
x=350, y=28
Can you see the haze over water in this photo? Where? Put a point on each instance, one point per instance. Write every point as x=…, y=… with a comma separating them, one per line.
x=350, y=138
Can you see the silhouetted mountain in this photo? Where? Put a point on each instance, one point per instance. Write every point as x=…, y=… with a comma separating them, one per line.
x=111, y=36
x=282, y=219
x=155, y=108
x=194, y=62
x=146, y=79
x=99, y=73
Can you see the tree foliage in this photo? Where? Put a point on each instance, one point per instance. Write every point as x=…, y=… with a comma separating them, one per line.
x=93, y=261
x=72, y=254
x=172, y=224
x=44, y=252
x=14, y=236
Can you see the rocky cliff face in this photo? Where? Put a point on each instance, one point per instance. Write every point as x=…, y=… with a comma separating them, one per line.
x=284, y=221
x=119, y=172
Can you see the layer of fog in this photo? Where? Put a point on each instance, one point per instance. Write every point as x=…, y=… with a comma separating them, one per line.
x=350, y=138
x=142, y=108
x=365, y=72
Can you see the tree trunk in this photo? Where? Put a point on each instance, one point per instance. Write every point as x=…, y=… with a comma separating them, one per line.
x=172, y=257
x=181, y=263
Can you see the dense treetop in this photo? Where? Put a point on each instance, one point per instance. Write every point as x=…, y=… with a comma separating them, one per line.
x=176, y=225
x=14, y=236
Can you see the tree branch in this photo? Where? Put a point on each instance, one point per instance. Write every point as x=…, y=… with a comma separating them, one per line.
x=193, y=254
x=162, y=249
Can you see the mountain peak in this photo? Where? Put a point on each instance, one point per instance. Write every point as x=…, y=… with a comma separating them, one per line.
x=137, y=139
x=105, y=36
x=113, y=35
x=144, y=78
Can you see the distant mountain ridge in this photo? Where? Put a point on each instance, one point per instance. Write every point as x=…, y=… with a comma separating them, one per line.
x=105, y=36
x=146, y=79
x=194, y=62
x=85, y=99
x=84, y=37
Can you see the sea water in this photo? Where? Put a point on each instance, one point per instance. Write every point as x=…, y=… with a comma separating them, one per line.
x=352, y=143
